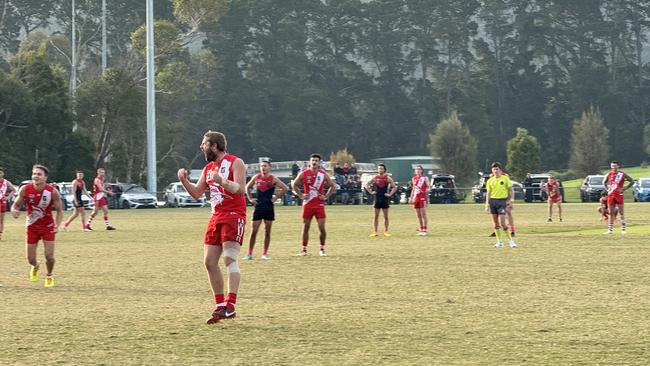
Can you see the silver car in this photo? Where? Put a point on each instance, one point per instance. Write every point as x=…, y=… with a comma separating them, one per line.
x=177, y=196
x=135, y=196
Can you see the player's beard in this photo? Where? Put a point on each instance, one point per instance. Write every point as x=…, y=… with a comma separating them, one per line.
x=210, y=155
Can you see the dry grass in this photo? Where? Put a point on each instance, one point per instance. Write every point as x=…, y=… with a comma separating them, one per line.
x=139, y=295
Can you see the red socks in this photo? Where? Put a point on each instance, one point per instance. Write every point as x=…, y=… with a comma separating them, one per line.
x=231, y=299
x=219, y=299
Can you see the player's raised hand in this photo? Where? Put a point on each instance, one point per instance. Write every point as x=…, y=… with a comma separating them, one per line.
x=182, y=174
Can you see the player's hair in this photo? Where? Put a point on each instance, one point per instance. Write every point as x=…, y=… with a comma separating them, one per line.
x=218, y=138
x=603, y=194
x=41, y=167
x=383, y=165
x=615, y=162
x=265, y=162
x=315, y=156
x=496, y=164
x=78, y=171
x=420, y=167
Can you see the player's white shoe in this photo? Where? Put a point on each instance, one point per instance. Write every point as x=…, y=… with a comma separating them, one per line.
x=498, y=245
x=265, y=257
x=422, y=233
x=322, y=253
x=608, y=232
x=623, y=231
x=512, y=244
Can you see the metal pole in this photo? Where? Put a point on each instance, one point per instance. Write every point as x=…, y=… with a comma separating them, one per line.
x=151, y=104
x=103, y=36
x=73, y=69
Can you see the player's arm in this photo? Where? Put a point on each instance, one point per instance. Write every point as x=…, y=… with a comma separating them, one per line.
x=15, y=208
x=487, y=196
x=606, y=183
x=428, y=182
x=249, y=187
x=393, y=187
x=238, y=183
x=85, y=191
x=368, y=186
x=280, y=184
x=74, y=189
x=11, y=189
x=58, y=206
x=295, y=186
x=330, y=190
x=195, y=190
x=630, y=181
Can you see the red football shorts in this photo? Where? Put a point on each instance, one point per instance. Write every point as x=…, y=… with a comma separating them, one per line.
x=101, y=202
x=224, y=230
x=555, y=199
x=33, y=235
x=614, y=198
x=310, y=211
x=3, y=206
x=420, y=203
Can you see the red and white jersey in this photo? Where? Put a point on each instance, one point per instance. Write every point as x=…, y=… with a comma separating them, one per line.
x=313, y=184
x=616, y=182
x=419, y=187
x=4, y=187
x=553, y=189
x=98, y=185
x=225, y=205
x=39, y=206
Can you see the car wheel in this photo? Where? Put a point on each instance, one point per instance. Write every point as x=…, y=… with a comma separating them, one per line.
x=126, y=205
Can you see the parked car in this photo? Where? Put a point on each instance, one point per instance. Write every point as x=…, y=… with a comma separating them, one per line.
x=443, y=189
x=534, y=189
x=177, y=196
x=591, y=188
x=67, y=197
x=641, y=189
x=479, y=190
x=131, y=196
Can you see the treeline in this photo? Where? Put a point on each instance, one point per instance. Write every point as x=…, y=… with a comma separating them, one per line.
x=285, y=78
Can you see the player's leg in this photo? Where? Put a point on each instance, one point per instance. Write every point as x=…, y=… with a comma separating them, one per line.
x=106, y=222
x=268, y=224
x=502, y=220
x=559, y=209
x=323, y=235
x=93, y=214
x=612, y=216
x=386, y=231
x=418, y=213
x=425, y=220
x=230, y=254
x=48, y=246
x=31, y=245
x=2, y=221
x=211, y=255
x=550, y=210
x=510, y=220
x=305, y=235
x=497, y=228
x=253, y=238
x=375, y=222
x=75, y=213
x=621, y=212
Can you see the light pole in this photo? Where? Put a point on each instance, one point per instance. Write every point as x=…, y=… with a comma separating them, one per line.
x=151, y=104
x=103, y=36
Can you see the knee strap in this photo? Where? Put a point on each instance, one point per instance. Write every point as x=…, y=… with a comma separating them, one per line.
x=232, y=254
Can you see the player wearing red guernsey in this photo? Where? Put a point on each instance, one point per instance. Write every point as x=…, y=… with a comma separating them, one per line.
x=78, y=189
x=552, y=187
x=614, y=182
x=265, y=183
x=419, y=197
x=99, y=197
x=383, y=188
x=225, y=177
x=39, y=198
x=7, y=190
x=314, y=180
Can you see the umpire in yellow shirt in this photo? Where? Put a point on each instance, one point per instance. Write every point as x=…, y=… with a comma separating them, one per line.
x=499, y=194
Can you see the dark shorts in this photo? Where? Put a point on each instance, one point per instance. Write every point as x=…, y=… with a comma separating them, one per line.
x=498, y=206
x=264, y=214
x=382, y=203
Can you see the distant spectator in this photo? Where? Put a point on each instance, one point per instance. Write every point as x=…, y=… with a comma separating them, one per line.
x=295, y=169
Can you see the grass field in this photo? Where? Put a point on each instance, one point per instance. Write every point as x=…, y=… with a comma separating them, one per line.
x=567, y=296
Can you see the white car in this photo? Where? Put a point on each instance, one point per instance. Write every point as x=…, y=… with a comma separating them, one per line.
x=177, y=196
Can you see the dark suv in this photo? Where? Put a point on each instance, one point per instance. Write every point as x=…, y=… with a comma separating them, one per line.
x=443, y=189
x=591, y=188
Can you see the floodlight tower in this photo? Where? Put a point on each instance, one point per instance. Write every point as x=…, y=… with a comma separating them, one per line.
x=151, y=104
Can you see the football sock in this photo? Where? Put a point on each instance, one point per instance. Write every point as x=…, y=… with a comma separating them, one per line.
x=512, y=228
x=508, y=234
x=219, y=299
x=106, y=221
x=497, y=231
x=231, y=298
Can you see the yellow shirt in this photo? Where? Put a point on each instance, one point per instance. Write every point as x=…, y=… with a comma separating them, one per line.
x=497, y=188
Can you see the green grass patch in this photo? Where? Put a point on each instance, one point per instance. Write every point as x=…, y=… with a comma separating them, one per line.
x=139, y=295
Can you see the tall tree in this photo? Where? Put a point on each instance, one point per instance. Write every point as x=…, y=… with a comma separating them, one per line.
x=454, y=145
x=523, y=154
x=589, y=149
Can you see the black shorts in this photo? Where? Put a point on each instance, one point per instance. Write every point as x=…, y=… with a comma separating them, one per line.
x=497, y=206
x=263, y=214
x=382, y=203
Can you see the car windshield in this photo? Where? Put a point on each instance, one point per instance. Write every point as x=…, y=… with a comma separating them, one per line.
x=596, y=180
x=443, y=183
x=644, y=183
x=136, y=189
x=180, y=189
x=65, y=189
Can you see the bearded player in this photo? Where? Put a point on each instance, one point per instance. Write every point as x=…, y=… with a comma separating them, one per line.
x=100, y=192
x=225, y=177
x=419, y=195
x=614, y=182
x=382, y=187
x=39, y=198
x=265, y=183
x=314, y=180
x=7, y=190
